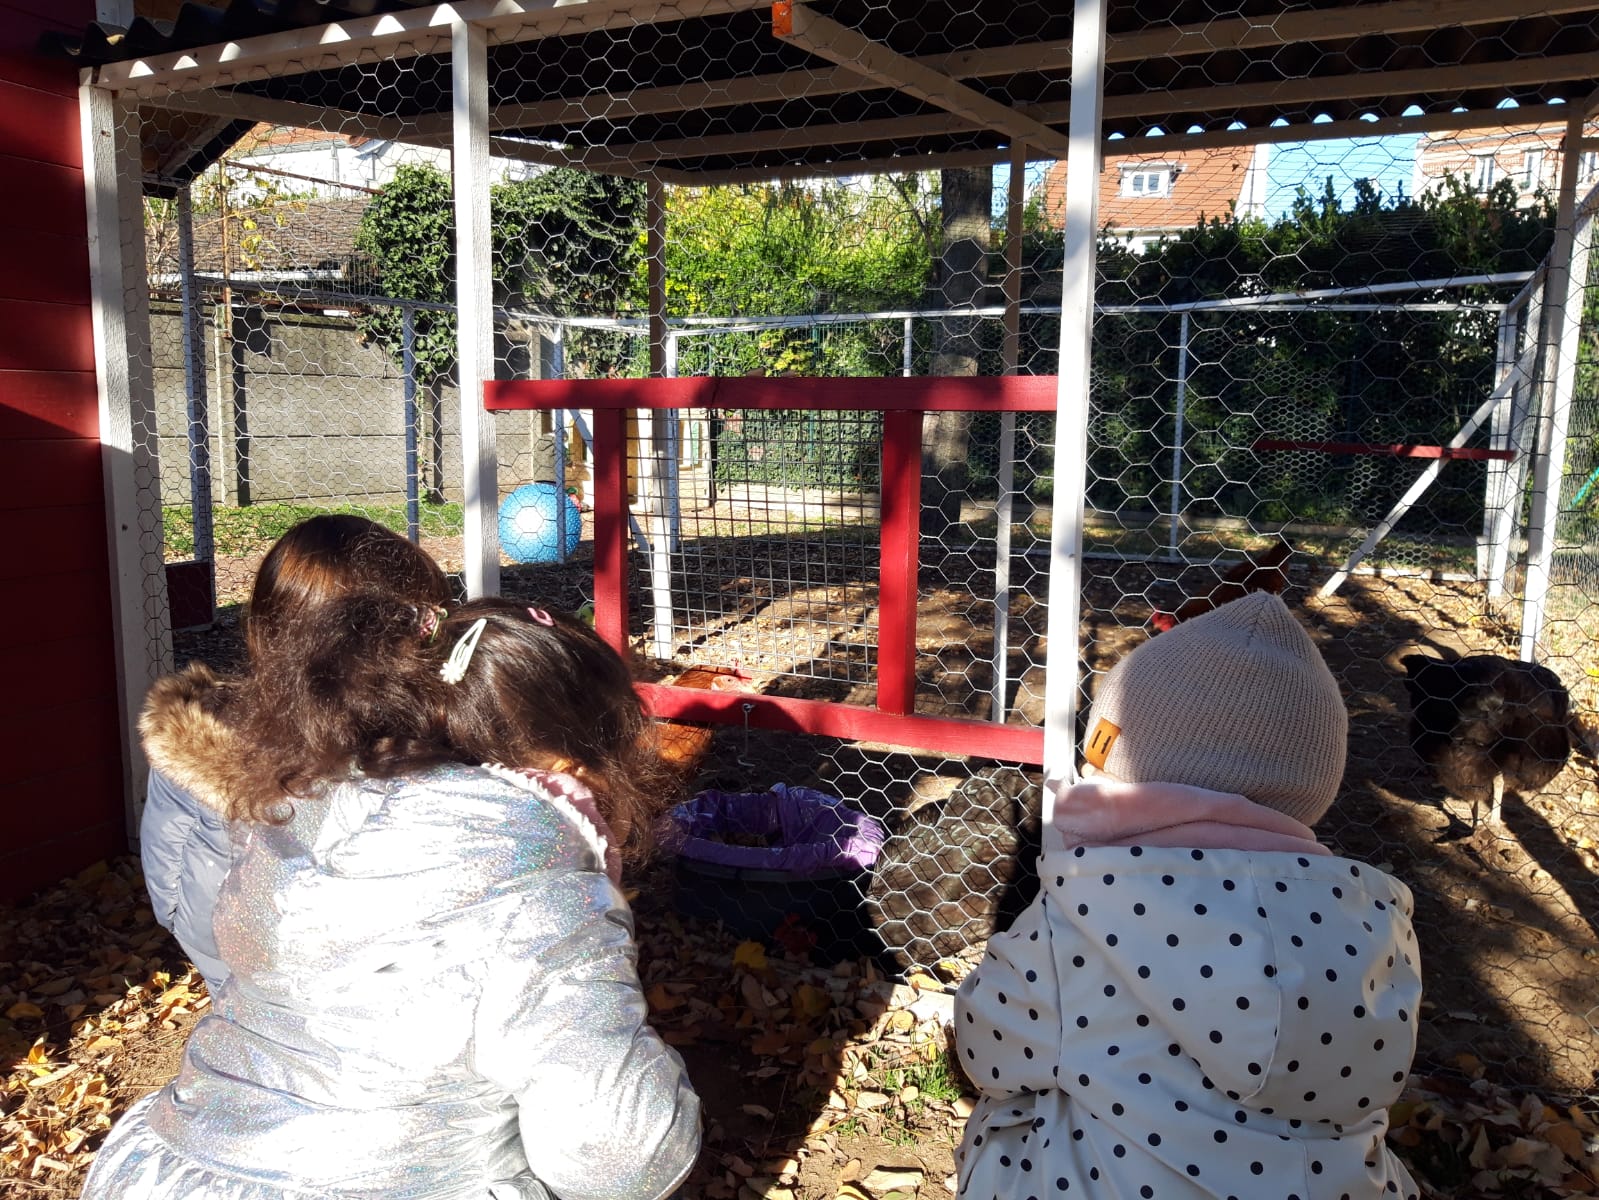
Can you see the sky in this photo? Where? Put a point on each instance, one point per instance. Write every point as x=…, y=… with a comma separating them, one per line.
x=1387, y=162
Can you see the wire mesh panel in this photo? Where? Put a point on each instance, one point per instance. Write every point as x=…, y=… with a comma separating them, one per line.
x=1326, y=368
x=1340, y=399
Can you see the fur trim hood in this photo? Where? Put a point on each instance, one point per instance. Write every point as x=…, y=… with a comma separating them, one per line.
x=186, y=739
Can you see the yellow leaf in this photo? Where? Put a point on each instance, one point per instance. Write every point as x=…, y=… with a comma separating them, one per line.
x=23, y=1010
x=53, y=1076
x=750, y=955
x=177, y=994
x=922, y=982
x=93, y=871
x=1567, y=1139
x=768, y=1044
x=662, y=1000
x=811, y=1002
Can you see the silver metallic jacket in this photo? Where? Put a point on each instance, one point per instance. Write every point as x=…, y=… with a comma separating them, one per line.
x=433, y=995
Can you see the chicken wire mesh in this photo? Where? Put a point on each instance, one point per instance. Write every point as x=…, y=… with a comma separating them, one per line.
x=1223, y=423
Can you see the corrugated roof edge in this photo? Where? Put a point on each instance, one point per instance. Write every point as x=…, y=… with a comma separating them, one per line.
x=198, y=25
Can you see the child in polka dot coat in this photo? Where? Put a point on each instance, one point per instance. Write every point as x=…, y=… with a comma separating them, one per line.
x=1202, y=1001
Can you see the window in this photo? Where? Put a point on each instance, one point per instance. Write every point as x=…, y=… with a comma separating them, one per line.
x=1482, y=172
x=1589, y=166
x=1146, y=182
x=1531, y=170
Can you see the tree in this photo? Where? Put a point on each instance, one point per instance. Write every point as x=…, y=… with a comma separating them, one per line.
x=790, y=249
x=967, y=196
x=564, y=241
x=1390, y=376
x=569, y=243
x=408, y=233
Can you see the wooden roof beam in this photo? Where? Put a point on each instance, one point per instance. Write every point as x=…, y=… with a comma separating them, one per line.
x=1299, y=91
x=241, y=106
x=797, y=138
x=1542, y=114
x=1355, y=86
x=1255, y=33
x=827, y=39
x=1344, y=24
x=1356, y=128
x=407, y=33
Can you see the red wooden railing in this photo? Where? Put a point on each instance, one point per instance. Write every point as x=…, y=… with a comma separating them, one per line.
x=903, y=401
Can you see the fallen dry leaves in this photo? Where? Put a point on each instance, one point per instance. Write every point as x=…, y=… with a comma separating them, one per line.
x=1474, y=1139
x=842, y=1086
x=89, y=985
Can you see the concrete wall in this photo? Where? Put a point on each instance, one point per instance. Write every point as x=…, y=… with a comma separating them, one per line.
x=304, y=411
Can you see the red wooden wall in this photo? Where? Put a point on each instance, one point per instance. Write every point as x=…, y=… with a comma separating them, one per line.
x=60, y=767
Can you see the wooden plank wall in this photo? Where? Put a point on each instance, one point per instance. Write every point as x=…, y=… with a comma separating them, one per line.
x=60, y=770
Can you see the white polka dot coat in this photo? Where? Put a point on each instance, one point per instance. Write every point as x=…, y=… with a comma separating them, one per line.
x=1167, y=1023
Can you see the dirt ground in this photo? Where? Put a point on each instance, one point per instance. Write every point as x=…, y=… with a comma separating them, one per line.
x=814, y=1072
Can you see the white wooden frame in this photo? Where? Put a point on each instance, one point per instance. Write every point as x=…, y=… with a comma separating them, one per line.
x=475, y=306
x=141, y=620
x=1562, y=326
x=1072, y=396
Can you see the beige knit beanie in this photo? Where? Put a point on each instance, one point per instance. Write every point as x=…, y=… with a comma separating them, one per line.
x=1237, y=700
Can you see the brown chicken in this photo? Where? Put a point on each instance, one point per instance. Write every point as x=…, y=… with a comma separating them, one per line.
x=1488, y=726
x=684, y=743
x=1266, y=573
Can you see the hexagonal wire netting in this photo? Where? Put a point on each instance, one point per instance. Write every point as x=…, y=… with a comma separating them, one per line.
x=1273, y=322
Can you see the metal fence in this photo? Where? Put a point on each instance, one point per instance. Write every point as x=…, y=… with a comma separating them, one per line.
x=1219, y=427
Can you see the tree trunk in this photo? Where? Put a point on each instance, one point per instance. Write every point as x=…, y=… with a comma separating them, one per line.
x=966, y=203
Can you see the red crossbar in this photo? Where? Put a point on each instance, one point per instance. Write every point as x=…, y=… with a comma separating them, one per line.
x=900, y=562
x=902, y=400
x=610, y=527
x=1393, y=451
x=851, y=722
x=969, y=393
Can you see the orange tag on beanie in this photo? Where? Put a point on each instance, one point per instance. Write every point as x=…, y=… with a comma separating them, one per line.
x=1099, y=744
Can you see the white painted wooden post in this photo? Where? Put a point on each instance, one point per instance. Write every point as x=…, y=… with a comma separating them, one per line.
x=474, y=305
x=1072, y=402
x=1522, y=437
x=1568, y=279
x=194, y=387
x=1184, y=332
x=662, y=423
x=141, y=621
x=1016, y=197
x=1497, y=475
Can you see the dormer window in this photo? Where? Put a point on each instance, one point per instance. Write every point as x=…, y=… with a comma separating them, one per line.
x=1147, y=181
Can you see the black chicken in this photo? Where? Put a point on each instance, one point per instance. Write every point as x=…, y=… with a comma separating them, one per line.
x=1487, y=725
x=957, y=870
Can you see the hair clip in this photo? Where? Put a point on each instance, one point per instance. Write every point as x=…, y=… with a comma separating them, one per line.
x=428, y=627
x=539, y=615
x=454, y=668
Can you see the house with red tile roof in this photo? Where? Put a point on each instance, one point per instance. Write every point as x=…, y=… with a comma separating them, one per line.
x=1144, y=198
x=1527, y=155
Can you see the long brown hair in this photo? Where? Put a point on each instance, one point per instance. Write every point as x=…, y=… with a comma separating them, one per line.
x=543, y=690
x=339, y=609
x=334, y=555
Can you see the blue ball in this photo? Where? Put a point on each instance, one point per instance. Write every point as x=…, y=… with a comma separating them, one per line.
x=528, y=530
